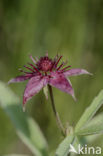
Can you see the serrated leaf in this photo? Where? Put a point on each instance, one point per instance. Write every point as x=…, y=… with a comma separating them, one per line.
x=27, y=129
x=95, y=126
x=63, y=149
x=90, y=111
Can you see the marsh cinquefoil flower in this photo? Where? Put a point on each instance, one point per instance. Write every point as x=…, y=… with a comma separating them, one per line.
x=47, y=71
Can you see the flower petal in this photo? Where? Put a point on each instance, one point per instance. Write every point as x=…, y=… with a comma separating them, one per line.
x=19, y=79
x=34, y=85
x=59, y=81
x=76, y=71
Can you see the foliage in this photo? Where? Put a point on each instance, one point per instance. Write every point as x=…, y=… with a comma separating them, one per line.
x=86, y=125
x=26, y=128
x=29, y=132
x=72, y=28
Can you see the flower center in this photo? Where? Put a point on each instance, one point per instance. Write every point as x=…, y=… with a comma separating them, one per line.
x=45, y=64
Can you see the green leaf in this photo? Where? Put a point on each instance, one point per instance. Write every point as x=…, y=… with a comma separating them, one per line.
x=26, y=128
x=63, y=149
x=90, y=112
x=95, y=126
x=75, y=145
x=92, y=138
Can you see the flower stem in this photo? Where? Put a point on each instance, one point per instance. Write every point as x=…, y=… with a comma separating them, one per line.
x=60, y=125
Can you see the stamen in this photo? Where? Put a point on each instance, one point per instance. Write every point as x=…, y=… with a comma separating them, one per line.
x=29, y=68
x=34, y=67
x=24, y=71
x=65, y=68
x=55, y=60
x=58, y=61
x=60, y=66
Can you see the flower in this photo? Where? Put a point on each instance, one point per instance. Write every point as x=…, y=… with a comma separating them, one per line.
x=46, y=71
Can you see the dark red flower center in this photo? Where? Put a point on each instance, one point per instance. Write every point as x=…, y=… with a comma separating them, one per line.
x=45, y=64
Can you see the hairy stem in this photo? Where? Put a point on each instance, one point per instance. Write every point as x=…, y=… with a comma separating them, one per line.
x=60, y=125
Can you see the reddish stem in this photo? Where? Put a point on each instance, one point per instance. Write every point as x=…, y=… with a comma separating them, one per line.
x=60, y=125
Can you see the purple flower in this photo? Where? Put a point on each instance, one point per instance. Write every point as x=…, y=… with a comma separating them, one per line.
x=47, y=71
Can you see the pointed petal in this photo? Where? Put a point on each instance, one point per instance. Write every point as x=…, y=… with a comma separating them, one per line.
x=19, y=79
x=59, y=81
x=76, y=71
x=34, y=85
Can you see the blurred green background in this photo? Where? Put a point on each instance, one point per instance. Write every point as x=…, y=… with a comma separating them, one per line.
x=71, y=28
